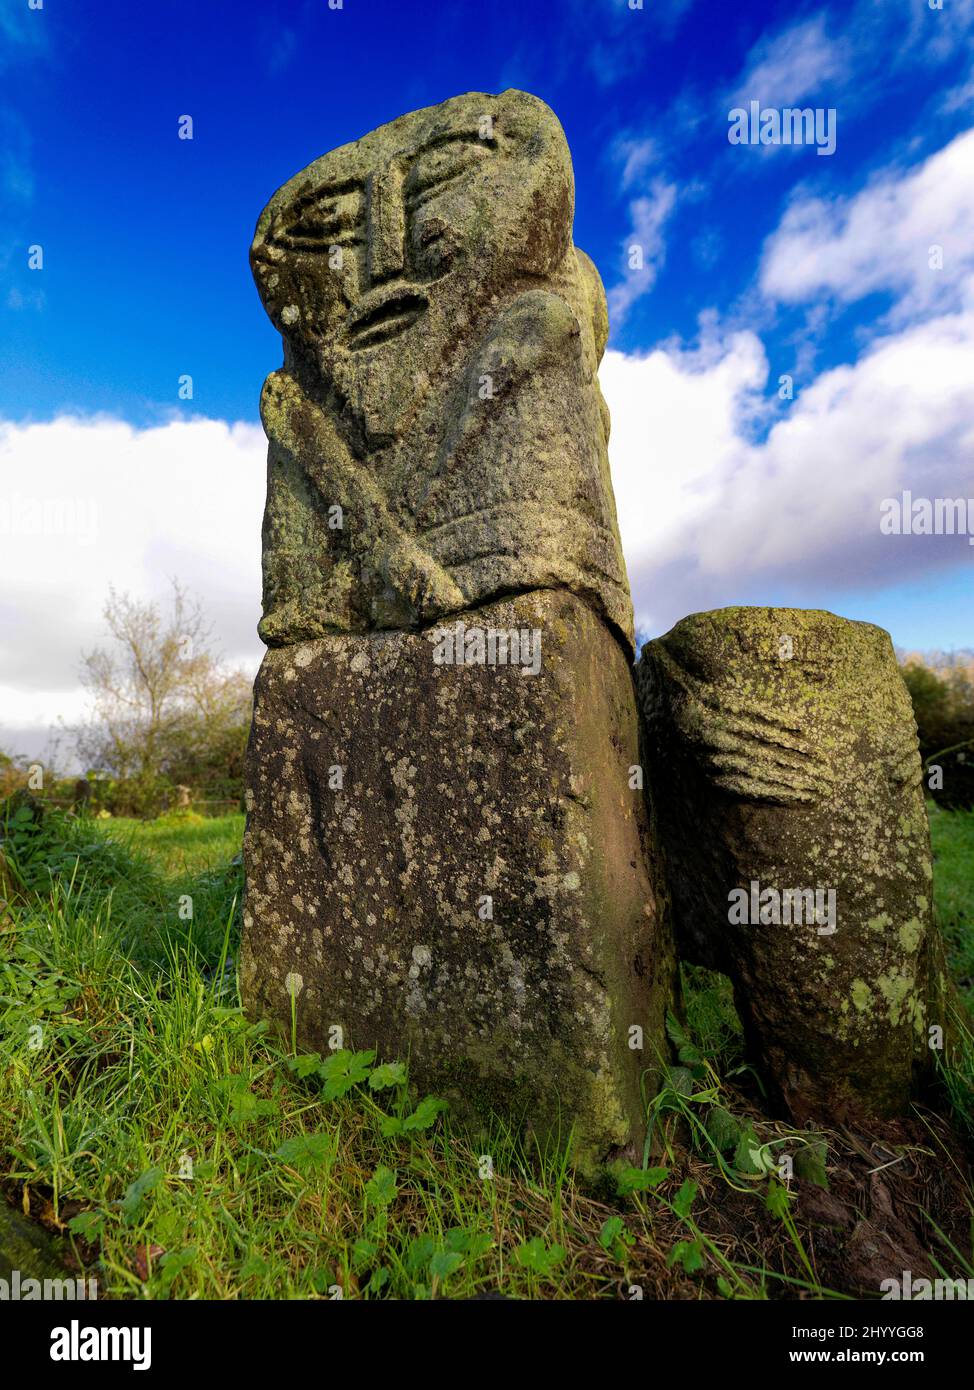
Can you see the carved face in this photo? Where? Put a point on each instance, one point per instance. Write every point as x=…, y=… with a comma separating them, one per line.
x=381, y=258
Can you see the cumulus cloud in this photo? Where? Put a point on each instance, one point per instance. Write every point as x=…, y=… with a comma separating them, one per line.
x=89, y=502
x=710, y=516
x=715, y=507
x=884, y=238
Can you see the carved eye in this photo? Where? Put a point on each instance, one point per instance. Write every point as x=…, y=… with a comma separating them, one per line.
x=323, y=219
x=437, y=169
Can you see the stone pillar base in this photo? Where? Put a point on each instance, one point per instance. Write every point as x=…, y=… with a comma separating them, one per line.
x=452, y=860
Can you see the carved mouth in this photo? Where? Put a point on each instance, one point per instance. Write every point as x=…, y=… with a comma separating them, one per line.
x=385, y=317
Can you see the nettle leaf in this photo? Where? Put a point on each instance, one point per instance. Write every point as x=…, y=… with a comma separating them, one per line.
x=245, y=1107
x=422, y=1118
x=425, y=1113
x=747, y=1155
x=675, y=1031
x=686, y=1049
x=136, y=1192
x=421, y=1251
x=533, y=1254
x=254, y=1268
x=306, y=1150
x=87, y=1224
x=364, y=1252
x=343, y=1070
x=381, y=1187
x=690, y=1255
x=307, y=1064
x=389, y=1074
x=173, y=1263
x=611, y=1231
x=444, y=1262
x=639, y=1179
x=378, y=1279
x=723, y=1129
x=681, y=1080
x=684, y=1199
x=777, y=1201
x=470, y=1244
x=810, y=1162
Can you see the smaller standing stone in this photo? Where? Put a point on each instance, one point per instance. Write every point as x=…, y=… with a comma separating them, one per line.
x=786, y=782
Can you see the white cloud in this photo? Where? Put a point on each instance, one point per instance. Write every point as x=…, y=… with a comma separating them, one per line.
x=711, y=513
x=645, y=244
x=799, y=61
x=710, y=517
x=636, y=155
x=855, y=59
x=881, y=238
x=86, y=503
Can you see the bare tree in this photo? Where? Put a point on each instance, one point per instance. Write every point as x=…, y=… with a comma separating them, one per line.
x=159, y=694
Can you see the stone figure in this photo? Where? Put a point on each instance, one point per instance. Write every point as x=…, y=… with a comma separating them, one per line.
x=437, y=433
x=447, y=852
x=785, y=777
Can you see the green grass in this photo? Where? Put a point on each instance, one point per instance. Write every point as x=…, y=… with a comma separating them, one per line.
x=182, y=843
x=952, y=833
x=185, y=1153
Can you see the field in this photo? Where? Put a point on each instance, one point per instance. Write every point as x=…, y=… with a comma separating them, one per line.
x=177, y=1150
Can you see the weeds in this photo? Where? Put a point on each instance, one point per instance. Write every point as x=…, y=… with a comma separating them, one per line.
x=185, y=1151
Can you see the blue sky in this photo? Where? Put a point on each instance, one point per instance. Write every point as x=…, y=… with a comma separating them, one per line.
x=758, y=262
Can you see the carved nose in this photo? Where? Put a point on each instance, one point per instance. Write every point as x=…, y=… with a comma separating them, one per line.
x=387, y=225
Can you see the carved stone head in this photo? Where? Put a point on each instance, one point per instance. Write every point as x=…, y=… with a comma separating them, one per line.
x=380, y=258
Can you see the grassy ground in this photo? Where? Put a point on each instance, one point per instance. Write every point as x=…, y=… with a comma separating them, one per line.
x=182, y=843
x=182, y=1151
x=953, y=844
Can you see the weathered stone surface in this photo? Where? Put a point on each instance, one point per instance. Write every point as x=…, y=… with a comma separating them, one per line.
x=782, y=752
x=391, y=796
x=437, y=434
x=437, y=451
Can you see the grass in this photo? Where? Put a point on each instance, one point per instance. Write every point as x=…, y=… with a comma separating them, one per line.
x=182, y=843
x=952, y=833
x=183, y=1152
